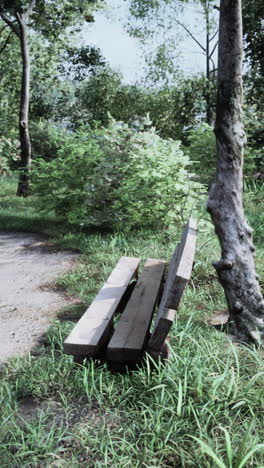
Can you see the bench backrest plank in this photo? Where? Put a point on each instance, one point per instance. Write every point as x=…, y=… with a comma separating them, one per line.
x=92, y=330
x=179, y=274
x=132, y=330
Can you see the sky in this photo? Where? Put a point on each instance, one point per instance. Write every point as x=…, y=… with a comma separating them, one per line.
x=124, y=53
x=121, y=50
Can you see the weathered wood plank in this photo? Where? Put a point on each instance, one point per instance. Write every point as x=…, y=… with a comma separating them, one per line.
x=179, y=274
x=183, y=266
x=94, y=328
x=129, y=338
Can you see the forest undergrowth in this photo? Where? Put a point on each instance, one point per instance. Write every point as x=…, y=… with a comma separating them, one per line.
x=203, y=408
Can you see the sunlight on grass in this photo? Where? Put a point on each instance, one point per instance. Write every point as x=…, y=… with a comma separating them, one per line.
x=204, y=408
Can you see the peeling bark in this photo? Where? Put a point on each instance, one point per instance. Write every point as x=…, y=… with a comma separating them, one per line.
x=236, y=268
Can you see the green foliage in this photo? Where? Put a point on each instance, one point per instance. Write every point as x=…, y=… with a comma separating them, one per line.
x=46, y=139
x=234, y=458
x=202, y=151
x=117, y=178
x=88, y=416
x=4, y=163
x=254, y=161
x=49, y=96
x=171, y=109
x=48, y=25
x=11, y=4
x=8, y=154
x=95, y=97
x=254, y=88
x=53, y=17
x=254, y=198
x=10, y=67
x=80, y=62
x=253, y=18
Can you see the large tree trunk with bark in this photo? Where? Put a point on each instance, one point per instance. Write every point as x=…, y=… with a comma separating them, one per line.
x=25, y=163
x=236, y=268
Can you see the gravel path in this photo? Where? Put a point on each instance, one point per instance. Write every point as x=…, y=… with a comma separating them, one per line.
x=28, y=263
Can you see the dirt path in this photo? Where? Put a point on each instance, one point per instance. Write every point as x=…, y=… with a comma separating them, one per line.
x=27, y=305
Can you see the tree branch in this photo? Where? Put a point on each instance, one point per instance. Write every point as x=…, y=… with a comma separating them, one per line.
x=20, y=18
x=214, y=68
x=192, y=36
x=9, y=23
x=30, y=9
x=214, y=35
x=216, y=44
x=6, y=42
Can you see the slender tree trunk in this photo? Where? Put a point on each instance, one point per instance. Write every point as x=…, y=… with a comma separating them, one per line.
x=23, y=184
x=236, y=268
x=208, y=76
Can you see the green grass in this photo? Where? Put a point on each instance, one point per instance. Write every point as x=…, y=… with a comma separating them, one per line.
x=203, y=409
x=254, y=198
x=21, y=214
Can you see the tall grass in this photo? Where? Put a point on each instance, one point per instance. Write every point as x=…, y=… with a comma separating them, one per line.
x=204, y=408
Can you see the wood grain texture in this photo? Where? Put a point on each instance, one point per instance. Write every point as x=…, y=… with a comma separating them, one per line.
x=95, y=327
x=129, y=339
x=179, y=274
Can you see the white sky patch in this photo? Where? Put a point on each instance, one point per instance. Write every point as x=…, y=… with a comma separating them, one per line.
x=120, y=50
x=124, y=53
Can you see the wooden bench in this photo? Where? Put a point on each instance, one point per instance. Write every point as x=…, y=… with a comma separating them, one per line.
x=136, y=300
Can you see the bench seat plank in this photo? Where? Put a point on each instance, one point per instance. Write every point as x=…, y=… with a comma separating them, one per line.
x=179, y=274
x=94, y=327
x=129, y=338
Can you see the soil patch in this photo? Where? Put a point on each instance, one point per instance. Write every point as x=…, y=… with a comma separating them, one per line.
x=28, y=265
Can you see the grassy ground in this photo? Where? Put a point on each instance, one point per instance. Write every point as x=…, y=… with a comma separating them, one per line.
x=203, y=409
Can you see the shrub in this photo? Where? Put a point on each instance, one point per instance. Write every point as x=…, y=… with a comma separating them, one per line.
x=117, y=178
x=202, y=148
x=202, y=152
x=46, y=139
x=254, y=202
x=8, y=154
x=254, y=161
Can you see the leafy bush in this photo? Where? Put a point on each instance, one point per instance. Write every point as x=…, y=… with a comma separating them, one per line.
x=46, y=139
x=254, y=203
x=254, y=161
x=202, y=148
x=202, y=152
x=117, y=178
x=8, y=154
x=171, y=109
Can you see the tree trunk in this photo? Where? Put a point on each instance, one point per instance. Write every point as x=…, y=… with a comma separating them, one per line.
x=23, y=184
x=236, y=268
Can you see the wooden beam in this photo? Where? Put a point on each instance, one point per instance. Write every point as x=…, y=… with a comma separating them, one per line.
x=179, y=274
x=161, y=330
x=129, y=339
x=94, y=329
x=183, y=267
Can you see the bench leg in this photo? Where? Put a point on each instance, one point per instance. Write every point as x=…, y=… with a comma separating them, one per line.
x=161, y=355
